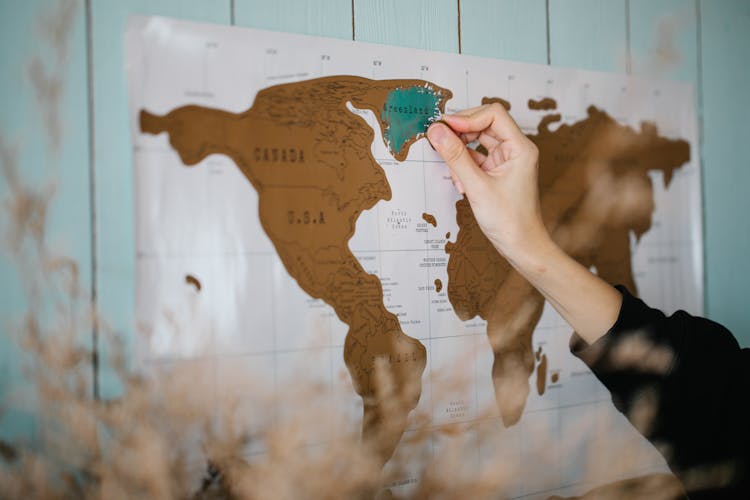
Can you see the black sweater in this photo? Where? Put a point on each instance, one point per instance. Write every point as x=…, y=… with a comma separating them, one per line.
x=684, y=383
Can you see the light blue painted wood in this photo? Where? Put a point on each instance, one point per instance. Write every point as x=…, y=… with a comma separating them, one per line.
x=506, y=29
x=22, y=126
x=664, y=44
x=664, y=39
x=584, y=33
x=115, y=237
x=331, y=18
x=588, y=34
x=423, y=24
x=725, y=26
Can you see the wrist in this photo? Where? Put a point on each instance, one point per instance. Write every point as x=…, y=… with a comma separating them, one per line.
x=532, y=252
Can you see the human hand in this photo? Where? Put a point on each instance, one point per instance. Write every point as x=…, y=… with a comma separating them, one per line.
x=502, y=186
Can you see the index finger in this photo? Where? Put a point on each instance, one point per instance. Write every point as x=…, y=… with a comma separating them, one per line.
x=493, y=118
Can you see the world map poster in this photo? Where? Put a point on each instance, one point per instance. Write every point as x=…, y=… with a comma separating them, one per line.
x=294, y=226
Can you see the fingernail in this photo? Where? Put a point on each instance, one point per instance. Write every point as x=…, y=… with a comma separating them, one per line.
x=437, y=134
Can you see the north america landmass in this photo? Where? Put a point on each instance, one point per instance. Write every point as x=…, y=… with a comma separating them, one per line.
x=309, y=158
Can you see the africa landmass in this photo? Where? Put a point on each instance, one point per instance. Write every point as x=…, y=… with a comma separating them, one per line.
x=309, y=158
x=595, y=190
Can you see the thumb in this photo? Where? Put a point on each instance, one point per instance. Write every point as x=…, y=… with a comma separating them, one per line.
x=457, y=156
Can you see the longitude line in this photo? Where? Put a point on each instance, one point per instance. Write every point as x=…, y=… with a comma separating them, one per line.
x=429, y=311
x=275, y=327
x=231, y=13
x=274, y=344
x=92, y=195
x=353, y=32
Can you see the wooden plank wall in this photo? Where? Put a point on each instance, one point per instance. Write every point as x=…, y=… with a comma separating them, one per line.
x=724, y=73
x=23, y=125
x=707, y=42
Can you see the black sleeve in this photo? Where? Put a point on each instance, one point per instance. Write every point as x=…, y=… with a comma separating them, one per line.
x=682, y=381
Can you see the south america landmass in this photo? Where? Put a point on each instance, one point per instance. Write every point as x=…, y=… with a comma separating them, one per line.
x=595, y=190
x=309, y=158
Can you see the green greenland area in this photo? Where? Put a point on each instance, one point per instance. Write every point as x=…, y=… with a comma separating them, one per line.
x=407, y=112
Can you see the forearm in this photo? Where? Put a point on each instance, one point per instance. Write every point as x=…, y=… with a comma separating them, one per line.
x=584, y=300
x=502, y=189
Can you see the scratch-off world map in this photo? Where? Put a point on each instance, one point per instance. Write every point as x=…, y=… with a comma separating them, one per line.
x=291, y=219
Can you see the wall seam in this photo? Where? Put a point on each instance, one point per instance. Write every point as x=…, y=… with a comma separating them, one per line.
x=92, y=196
x=231, y=12
x=458, y=3
x=701, y=140
x=628, y=49
x=549, y=44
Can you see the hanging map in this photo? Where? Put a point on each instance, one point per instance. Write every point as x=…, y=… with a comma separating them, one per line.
x=291, y=218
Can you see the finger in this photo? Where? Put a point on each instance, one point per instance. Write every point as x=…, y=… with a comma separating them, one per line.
x=456, y=155
x=467, y=111
x=457, y=184
x=487, y=141
x=478, y=157
x=470, y=137
x=492, y=118
x=486, y=163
